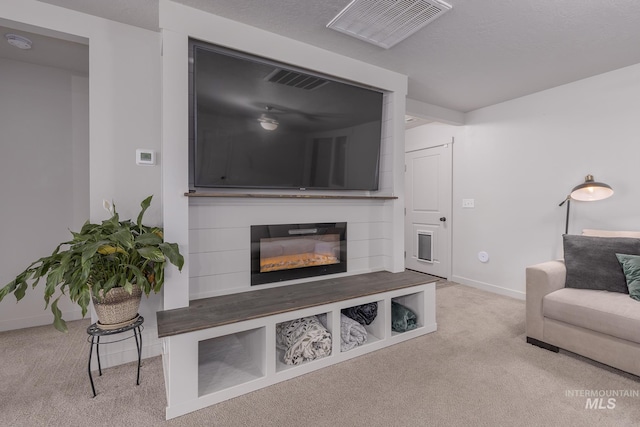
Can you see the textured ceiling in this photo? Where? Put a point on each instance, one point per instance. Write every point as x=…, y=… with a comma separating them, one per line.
x=478, y=54
x=49, y=48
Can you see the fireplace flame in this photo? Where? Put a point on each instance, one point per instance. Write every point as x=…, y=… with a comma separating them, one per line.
x=286, y=262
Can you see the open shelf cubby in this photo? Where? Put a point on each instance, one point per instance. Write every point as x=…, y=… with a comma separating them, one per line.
x=375, y=329
x=324, y=320
x=415, y=303
x=230, y=360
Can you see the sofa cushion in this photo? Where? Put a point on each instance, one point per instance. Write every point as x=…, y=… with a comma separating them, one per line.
x=610, y=313
x=609, y=233
x=592, y=264
x=631, y=268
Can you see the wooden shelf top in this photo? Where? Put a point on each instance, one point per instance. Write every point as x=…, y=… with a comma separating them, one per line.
x=289, y=196
x=225, y=309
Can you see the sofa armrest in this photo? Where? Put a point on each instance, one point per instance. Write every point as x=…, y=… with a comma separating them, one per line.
x=542, y=279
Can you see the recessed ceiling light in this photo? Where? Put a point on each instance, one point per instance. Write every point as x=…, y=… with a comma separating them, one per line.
x=18, y=41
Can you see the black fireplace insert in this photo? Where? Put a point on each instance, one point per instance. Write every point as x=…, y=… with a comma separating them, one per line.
x=294, y=251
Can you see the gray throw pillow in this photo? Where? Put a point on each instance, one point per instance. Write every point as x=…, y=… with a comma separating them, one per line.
x=592, y=263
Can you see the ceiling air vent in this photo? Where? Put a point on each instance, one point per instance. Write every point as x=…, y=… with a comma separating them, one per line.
x=295, y=79
x=386, y=22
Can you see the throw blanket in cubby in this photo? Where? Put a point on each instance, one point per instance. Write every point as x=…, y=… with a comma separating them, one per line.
x=302, y=340
x=352, y=333
x=364, y=314
x=402, y=318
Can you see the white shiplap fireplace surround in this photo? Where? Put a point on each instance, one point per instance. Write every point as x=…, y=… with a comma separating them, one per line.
x=214, y=232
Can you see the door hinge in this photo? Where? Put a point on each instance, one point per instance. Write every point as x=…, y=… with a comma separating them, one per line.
x=405, y=211
x=405, y=254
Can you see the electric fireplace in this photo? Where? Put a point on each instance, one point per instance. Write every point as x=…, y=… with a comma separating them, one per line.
x=294, y=251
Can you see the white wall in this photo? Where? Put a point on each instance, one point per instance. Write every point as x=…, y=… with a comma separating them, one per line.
x=125, y=98
x=519, y=160
x=216, y=231
x=434, y=113
x=432, y=135
x=124, y=87
x=124, y=114
x=44, y=176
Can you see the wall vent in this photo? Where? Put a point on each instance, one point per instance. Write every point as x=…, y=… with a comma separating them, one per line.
x=386, y=22
x=295, y=79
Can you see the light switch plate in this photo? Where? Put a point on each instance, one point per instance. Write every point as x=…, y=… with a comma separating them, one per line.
x=468, y=203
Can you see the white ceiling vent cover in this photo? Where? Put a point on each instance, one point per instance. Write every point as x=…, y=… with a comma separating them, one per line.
x=386, y=22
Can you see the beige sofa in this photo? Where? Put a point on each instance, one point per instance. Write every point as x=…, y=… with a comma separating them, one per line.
x=598, y=324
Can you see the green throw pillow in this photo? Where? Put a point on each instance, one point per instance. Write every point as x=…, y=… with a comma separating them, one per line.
x=631, y=267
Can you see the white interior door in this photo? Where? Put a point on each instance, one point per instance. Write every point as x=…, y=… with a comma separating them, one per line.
x=428, y=210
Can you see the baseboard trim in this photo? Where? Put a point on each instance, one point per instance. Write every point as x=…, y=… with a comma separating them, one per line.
x=46, y=318
x=542, y=344
x=488, y=287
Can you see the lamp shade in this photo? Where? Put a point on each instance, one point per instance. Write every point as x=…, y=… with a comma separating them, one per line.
x=591, y=191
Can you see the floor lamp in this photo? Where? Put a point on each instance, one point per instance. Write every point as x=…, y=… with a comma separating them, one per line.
x=588, y=191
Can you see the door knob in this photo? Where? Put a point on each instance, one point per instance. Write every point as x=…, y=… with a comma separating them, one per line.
x=443, y=219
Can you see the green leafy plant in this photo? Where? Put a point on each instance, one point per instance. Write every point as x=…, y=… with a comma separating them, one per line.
x=100, y=257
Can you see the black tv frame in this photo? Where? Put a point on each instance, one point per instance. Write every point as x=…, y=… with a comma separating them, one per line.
x=193, y=126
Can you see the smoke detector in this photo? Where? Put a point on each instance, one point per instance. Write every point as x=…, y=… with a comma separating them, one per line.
x=18, y=41
x=386, y=22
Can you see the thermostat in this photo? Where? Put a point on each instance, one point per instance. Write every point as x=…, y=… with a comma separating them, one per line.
x=145, y=157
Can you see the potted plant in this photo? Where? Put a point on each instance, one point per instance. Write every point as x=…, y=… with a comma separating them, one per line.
x=120, y=258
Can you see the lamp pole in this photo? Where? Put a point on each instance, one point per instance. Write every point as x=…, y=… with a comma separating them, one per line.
x=568, y=202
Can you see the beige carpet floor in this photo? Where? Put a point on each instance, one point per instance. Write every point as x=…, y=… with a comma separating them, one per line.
x=476, y=370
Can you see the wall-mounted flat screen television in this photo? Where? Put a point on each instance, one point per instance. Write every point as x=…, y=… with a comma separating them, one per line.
x=256, y=123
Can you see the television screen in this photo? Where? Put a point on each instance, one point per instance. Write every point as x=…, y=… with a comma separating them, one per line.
x=260, y=124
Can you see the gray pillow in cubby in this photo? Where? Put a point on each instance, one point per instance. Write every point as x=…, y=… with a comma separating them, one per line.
x=592, y=263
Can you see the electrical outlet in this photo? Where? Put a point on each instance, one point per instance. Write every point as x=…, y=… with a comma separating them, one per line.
x=468, y=203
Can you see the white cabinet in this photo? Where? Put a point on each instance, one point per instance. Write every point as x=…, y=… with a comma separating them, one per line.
x=210, y=365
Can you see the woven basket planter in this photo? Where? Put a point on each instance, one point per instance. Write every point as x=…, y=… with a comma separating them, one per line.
x=117, y=308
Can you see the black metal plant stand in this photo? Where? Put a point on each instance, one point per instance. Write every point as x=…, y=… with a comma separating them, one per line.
x=95, y=333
